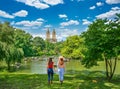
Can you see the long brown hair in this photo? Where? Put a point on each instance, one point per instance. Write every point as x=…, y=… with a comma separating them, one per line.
x=61, y=61
x=49, y=61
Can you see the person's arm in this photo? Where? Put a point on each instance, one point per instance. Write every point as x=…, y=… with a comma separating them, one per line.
x=46, y=66
x=53, y=66
x=58, y=64
x=64, y=66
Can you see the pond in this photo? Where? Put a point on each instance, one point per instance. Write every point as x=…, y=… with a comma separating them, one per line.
x=38, y=66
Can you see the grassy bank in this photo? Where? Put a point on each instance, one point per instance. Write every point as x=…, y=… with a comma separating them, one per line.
x=77, y=77
x=81, y=80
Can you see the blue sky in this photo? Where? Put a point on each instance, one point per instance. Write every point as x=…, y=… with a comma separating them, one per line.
x=67, y=17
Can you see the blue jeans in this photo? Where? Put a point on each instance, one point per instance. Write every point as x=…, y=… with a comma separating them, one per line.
x=50, y=74
x=61, y=73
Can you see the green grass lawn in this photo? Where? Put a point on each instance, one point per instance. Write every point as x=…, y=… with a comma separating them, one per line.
x=81, y=80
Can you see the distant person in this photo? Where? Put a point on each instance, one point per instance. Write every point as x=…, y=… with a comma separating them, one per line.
x=50, y=72
x=61, y=69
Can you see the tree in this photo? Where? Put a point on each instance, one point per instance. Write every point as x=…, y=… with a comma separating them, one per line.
x=58, y=47
x=38, y=46
x=102, y=40
x=8, y=51
x=6, y=33
x=2, y=51
x=13, y=54
x=73, y=47
x=49, y=48
x=23, y=40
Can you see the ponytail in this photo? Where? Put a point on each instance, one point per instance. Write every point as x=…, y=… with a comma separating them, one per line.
x=61, y=60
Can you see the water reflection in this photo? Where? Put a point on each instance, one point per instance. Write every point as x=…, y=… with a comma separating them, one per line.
x=38, y=66
x=72, y=67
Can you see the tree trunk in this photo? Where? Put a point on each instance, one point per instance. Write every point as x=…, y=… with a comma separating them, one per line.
x=114, y=67
x=8, y=64
x=110, y=68
x=106, y=64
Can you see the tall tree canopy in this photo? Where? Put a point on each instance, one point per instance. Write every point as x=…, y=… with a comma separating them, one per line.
x=8, y=51
x=103, y=42
x=73, y=47
x=38, y=46
x=23, y=40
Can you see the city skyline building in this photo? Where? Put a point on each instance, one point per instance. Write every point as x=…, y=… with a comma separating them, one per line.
x=48, y=36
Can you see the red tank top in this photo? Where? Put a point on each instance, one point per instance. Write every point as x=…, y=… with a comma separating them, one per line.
x=50, y=65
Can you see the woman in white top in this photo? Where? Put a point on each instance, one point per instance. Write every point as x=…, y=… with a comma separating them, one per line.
x=61, y=69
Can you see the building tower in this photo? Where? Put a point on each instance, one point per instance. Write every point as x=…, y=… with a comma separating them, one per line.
x=54, y=36
x=48, y=35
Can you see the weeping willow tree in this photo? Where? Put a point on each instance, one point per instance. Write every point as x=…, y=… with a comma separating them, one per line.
x=13, y=55
x=8, y=51
x=2, y=52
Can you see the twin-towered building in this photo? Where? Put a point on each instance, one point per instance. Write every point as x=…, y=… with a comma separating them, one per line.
x=49, y=38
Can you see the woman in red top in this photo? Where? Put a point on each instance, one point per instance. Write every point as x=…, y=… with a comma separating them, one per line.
x=50, y=66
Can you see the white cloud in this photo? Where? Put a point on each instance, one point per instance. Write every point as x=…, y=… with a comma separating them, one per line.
x=22, y=13
x=71, y=22
x=115, y=8
x=62, y=16
x=111, y=14
x=38, y=22
x=40, y=19
x=12, y=23
x=53, y=2
x=62, y=34
x=29, y=23
x=112, y=1
x=41, y=4
x=76, y=0
x=66, y=19
x=99, y=3
x=48, y=26
x=5, y=14
x=39, y=35
x=34, y=3
x=86, y=22
x=91, y=8
x=76, y=16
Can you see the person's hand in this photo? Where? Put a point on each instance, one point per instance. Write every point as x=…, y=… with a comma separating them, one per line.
x=54, y=70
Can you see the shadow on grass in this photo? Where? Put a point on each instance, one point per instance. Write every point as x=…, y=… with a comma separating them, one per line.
x=78, y=80
x=94, y=80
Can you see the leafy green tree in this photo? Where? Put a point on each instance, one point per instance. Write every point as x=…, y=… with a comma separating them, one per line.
x=8, y=51
x=6, y=33
x=13, y=55
x=102, y=40
x=49, y=48
x=73, y=47
x=38, y=46
x=2, y=51
x=23, y=40
x=6, y=40
x=58, y=47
